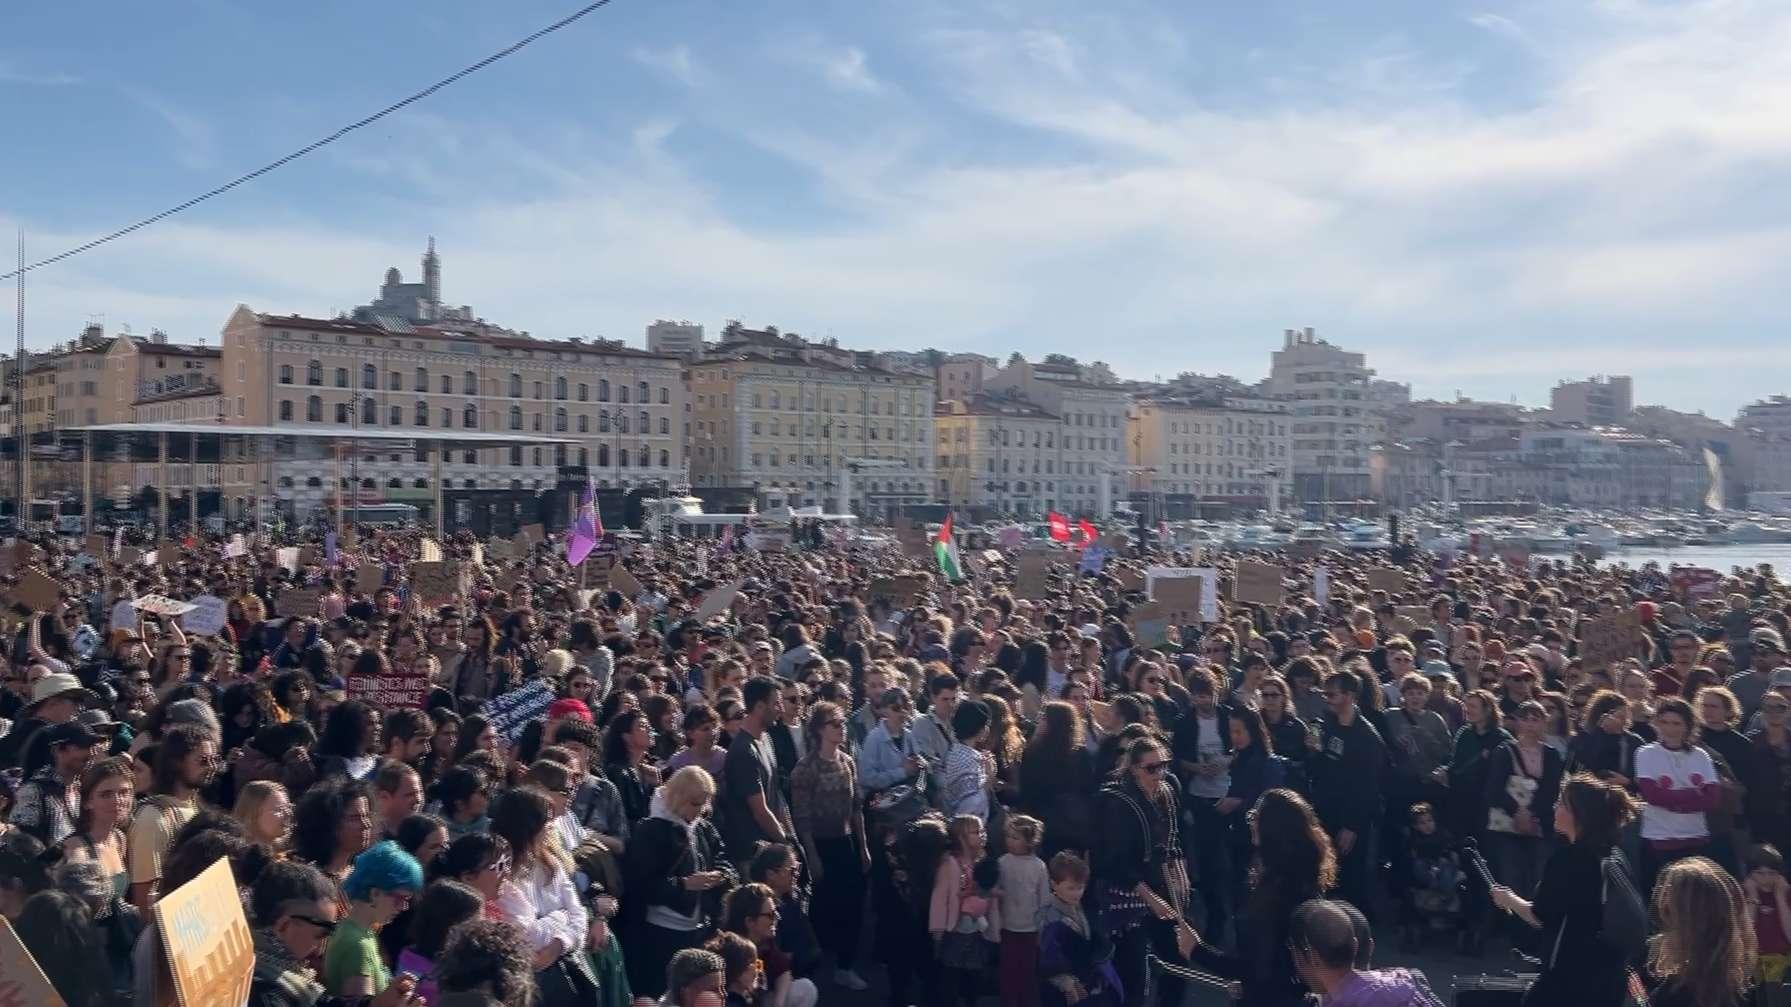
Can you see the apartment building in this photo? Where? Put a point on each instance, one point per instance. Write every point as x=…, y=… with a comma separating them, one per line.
x=828, y=427
x=625, y=408
x=999, y=455
x=1337, y=412
x=1598, y=401
x=1202, y=454
x=1092, y=436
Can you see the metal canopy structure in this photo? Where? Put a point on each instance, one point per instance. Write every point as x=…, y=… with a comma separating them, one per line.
x=205, y=443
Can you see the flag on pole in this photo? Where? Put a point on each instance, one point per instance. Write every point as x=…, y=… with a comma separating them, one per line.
x=945, y=549
x=1089, y=534
x=587, y=528
x=1060, y=526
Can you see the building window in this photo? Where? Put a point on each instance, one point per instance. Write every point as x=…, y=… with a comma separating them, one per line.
x=394, y=383
x=515, y=386
x=341, y=412
x=286, y=374
x=665, y=396
x=603, y=456
x=447, y=417
x=646, y=393
x=422, y=414
x=516, y=417
x=559, y=420
x=535, y=422
x=584, y=392
x=470, y=458
x=285, y=410
x=421, y=484
x=369, y=412
x=538, y=390
x=603, y=423
x=314, y=409
x=559, y=388
x=622, y=456
x=395, y=416
x=584, y=424
x=469, y=383
x=470, y=418
x=422, y=380
x=369, y=377
x=665, y=459
x=621, y=393
x=515, y=458
x=394, y=483
x=646, y=423
x=622, y=420
x=603, y=390
x=341, y=377
x=313, y=373
x=447, y=385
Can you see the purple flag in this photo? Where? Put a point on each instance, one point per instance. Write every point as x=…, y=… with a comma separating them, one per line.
x=586, y=529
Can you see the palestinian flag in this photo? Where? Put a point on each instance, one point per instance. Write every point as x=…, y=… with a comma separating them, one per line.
x=945, y=548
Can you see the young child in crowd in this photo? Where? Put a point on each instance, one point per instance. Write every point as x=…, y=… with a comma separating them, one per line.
x=1771, y=905
x=1434, y=898
x=958, y=918
x=1075, y=960
x=1021, y=894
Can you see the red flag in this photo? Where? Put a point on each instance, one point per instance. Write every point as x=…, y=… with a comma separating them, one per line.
x=1060, y=526
x=1089, y=534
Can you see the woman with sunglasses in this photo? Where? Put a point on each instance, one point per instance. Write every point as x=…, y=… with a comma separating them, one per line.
x=1286, y=731
x=481, y=861
x=1138, y=856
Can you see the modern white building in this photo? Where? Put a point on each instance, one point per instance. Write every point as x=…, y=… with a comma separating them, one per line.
x=683, y=339
x=1336, y=408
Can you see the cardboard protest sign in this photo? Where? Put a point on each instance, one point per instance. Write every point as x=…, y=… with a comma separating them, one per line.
x=521, y=545
x=210, y=953
x=533, y=533
x=1390, y=581
x=1129, y=580
x=156, y=604
x=129, y=555
x=1695, y=582
x=235, y=547
x=206, y=616
x=717, y=601
x=478, y=554
x=1149, y=624
x=1181, y=599
x=1256, y=583
x=288, y=558
x=1031, y=575
x=513, y=710
x=1011, y=537
x=1303, y=549
x=436, y=581
x=1418, y=614
x=429, y=551
x=96, y=546
x=310, y=555
x=903, y=589
x=500, y=548
x=401, y=689
x=1611, y=639
x=369, y=577
x=37, y=591
x=1207, y=609
x=302, y=601
x=621, y=580
x=22, y=982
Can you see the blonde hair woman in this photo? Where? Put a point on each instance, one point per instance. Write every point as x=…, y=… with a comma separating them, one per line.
x=1704, y=955
x=266, y=813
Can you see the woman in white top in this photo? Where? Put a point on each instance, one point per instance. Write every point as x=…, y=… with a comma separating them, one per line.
x=1679, y=782
x=540, y=897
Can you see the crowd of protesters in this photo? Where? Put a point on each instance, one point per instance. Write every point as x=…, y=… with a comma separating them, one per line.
x=762, y=776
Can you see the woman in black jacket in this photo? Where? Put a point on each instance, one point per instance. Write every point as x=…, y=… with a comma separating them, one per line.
x=674, y=873
x=1057, y=781
x=1294, y=862
x=1522, y=784
x=1286, y=731
x=1142, y=874
x=1255, y=770
x=1479, y=737
x=1579, y=966
x=1605, y=746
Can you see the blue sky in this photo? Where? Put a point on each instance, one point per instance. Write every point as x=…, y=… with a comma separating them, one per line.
x=1483, y=197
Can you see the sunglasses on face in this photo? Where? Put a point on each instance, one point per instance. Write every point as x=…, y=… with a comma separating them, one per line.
x=324, y=925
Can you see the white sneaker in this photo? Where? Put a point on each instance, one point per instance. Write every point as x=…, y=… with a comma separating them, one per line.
x=850, y=980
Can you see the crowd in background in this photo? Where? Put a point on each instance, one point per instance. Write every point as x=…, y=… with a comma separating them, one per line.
x=759, y=777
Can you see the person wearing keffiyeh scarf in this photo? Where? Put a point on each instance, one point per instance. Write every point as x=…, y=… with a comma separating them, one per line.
x=293, y=912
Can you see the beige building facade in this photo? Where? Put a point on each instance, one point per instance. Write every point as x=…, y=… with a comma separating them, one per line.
x=1236, y=451
x=823, y=425
x=999, y=454
x=624, y=408
x=1092, y=430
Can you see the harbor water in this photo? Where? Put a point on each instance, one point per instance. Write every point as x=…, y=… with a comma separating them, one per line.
x=1715, y=557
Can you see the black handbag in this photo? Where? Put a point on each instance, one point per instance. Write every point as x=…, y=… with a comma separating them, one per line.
x=568, y=982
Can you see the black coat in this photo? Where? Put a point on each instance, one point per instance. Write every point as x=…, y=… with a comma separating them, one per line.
x=658, y=859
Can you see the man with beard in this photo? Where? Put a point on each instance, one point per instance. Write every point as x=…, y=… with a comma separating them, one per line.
x=185, y=762
x=409, y=736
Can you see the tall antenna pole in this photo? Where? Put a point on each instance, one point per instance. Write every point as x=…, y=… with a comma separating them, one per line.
x=22, y=513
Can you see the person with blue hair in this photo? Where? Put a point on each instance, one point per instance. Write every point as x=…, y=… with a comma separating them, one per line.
x=381, y=885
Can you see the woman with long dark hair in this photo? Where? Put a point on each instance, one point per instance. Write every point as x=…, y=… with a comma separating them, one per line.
x=625, y=750
x=331, y=825
x=1579, y=966
x=349, y=744
x=1294, y=862
x=1057, y=780
x=57, y=929
x=1138, y=858
x=1481, y=735
x=541, y=898
x=476, y=734
x=1255, y=769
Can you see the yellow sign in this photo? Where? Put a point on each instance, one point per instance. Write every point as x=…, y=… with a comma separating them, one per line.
x=22, y=983
x=210, y=953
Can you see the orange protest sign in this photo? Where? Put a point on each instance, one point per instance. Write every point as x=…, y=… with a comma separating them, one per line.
x=206, y=939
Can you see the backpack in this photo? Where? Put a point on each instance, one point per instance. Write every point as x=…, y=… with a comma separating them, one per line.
x=1625, y=923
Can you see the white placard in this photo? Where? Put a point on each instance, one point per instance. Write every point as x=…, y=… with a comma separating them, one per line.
x=208, y=616
x=1209, y=586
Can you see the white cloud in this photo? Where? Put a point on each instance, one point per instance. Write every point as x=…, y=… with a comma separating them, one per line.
x=673, y=61
x=1500, y=25
x=10, y=73
x=193, y=142
x=849, y=69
